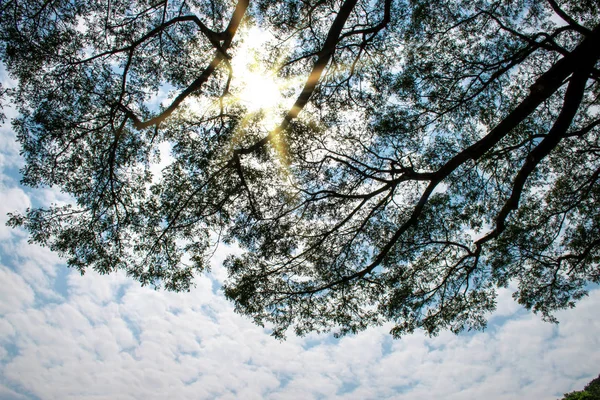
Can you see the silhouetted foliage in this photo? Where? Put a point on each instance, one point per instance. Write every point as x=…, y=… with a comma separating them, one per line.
x=435, y=151
x=590, y=392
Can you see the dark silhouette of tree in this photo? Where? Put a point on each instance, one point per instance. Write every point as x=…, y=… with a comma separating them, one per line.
x=590, y=392
x=436, y=150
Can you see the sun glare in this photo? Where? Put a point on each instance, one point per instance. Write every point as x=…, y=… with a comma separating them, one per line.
x=259, y=92
x=256, y=86
x=255, y=83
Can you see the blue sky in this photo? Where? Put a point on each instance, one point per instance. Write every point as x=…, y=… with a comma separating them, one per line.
x=66, y=336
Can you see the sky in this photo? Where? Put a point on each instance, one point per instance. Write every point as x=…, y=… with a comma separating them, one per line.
x=67, y=336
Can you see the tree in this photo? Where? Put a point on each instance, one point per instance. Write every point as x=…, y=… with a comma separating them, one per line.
x=434, y=152
x=590, y=392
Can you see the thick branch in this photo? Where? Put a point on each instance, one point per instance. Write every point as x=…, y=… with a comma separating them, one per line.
x=194, y=86
x=586, y=53
x=573, y=98
x=567, y=18
x=230, y=32
x=313, y=79
x=387, y=11
x=210, y=35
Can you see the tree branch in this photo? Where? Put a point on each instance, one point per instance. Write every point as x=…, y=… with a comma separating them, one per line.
x=324, y=56
x=567, y=18
x=586, y=53
x=229, y=33
x=573, y=98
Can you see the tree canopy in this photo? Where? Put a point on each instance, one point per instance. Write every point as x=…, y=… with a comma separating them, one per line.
x=590, y=392
x=426, y=152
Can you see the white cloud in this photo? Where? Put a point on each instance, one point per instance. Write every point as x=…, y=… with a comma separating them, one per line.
x=111, y=338
x=9, y=157
x=12, y=199
x=9, y=394
x=16, y=294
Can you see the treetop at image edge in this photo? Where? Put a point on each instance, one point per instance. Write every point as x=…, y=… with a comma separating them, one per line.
x=388, y=161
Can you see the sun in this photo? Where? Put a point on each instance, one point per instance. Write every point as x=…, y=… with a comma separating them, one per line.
x=255, y=84
x=259, y=91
